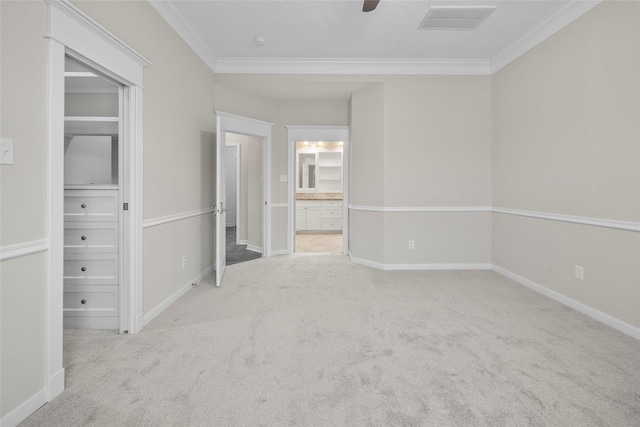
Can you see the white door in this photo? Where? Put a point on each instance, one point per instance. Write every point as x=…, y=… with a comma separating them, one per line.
x=221, y=205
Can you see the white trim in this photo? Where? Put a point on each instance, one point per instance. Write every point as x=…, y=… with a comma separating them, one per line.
x=171, y=13
x=421, y=208
x=563, y=16
x=569, y=302
x=598, y=222
x=279, y=252
x=23, y=249
x=426, y=267
x=420, y=267
x=254, y=248
x=366, y=262
x=234, y=123
x=71, y=32
x=148, y=317
x=22, y=412
x=176, y=217
x=66, y=22
x=316, y=133
x=353, y=66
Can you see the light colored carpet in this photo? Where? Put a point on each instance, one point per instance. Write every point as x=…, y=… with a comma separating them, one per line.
x=318, y=341
x=319, y=242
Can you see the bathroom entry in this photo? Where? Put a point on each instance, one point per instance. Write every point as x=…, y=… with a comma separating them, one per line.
x=319, y=196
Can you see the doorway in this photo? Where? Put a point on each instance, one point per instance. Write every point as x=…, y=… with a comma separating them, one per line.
x=318, y=191
x=243, y=163
x=93, y=194
x=71, y=33
x=259, y=132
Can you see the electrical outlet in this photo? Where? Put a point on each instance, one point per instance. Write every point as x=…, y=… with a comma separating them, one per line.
x=579, y=272
x=551, y=264
x=184, y=261
x=412, y=244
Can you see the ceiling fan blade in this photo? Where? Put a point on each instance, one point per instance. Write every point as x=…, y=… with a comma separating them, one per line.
x=369, y=5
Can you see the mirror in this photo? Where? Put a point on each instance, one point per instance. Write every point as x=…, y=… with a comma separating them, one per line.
x=306, y=171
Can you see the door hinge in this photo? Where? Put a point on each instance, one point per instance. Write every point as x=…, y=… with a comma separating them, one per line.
x=126, y=206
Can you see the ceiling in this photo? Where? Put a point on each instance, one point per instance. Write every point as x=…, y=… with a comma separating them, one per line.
x=329, y=37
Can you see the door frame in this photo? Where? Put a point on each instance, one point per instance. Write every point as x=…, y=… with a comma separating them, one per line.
x=73, y=33
x=316, y=133
x=233, y=123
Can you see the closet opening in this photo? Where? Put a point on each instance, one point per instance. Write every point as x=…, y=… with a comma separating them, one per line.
x=93, y=198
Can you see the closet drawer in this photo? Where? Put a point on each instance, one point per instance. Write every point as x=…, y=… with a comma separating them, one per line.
x=90, y=269
x=332, y=224
x=91, y=205
x=90, y=300
x=91, y=238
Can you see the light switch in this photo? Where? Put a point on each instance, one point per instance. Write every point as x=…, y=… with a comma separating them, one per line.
x=6, y=151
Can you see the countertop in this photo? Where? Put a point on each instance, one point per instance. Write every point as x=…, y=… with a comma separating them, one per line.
x=318, y=196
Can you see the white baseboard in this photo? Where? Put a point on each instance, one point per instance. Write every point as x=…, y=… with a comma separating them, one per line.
x=56, y=385
x=242, y=242
x=569, y=302
x=419, y=267
x=366, y=262
x=148, y=317
x=481, y=266
x=279, y=252
x=254, y=248
x=22, y=412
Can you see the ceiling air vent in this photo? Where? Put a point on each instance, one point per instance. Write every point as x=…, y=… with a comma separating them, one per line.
x=455, y=17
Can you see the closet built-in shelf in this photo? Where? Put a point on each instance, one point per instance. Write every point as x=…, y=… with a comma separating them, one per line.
x=80, y=125
x=87, y=82
x=91, y=186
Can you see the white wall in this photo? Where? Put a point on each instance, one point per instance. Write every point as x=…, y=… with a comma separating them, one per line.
x=566, y=141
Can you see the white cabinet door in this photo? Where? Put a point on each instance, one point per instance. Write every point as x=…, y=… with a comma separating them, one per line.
x=314, y=219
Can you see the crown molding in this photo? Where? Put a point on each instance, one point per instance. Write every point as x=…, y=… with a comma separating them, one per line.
x=181, y=24
x=352, y=66
x=562, y=17
x=70, y=11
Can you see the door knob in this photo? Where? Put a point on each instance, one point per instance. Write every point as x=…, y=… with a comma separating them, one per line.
x=83, y=269
x=83, y=238
x=83, y=206
x=84, y=301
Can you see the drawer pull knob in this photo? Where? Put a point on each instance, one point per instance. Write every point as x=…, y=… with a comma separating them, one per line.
x=83, y=238
x=84, y=301
x=83, y=206
x=83, y=269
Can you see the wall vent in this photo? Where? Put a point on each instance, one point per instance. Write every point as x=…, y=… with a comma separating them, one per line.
x=455, y=17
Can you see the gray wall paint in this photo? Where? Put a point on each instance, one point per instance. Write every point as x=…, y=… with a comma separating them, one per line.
x=566, y=141
x=564, y=124
x=24, y=196
x=179, y=146
x=250, y=196
x=366, y=237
